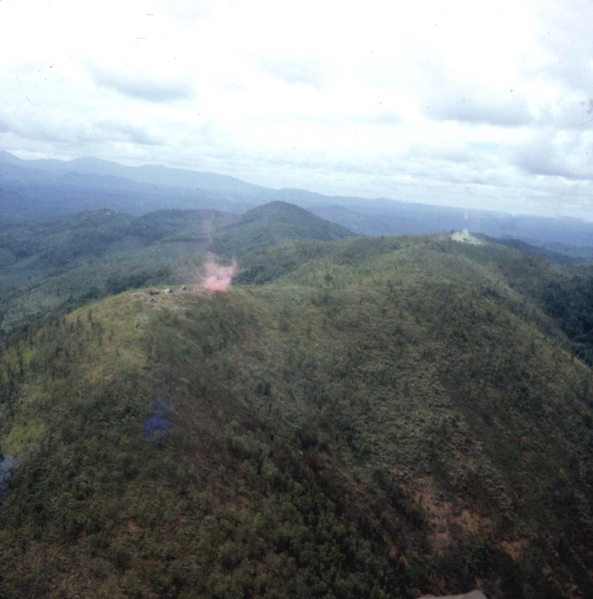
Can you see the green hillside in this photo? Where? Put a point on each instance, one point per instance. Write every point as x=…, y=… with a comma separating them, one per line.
x=370, y=417
x=176, y=222
x=271, y=224
x=61, y=241
x=46, y=266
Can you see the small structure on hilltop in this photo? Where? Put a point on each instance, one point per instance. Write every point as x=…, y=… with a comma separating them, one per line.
x=466, y=237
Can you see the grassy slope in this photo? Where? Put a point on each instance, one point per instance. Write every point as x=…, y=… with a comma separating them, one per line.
x=387, y=415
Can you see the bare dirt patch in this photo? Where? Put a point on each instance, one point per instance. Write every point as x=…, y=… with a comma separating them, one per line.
x=513, y=548
x=441, y=514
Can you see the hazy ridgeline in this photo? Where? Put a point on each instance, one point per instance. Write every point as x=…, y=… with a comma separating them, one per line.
x=46, y=189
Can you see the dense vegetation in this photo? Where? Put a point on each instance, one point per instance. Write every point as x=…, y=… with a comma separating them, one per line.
x=56, y=243
x=571, y=304
x=270, y=224
x=370, y=417
x=47, y=266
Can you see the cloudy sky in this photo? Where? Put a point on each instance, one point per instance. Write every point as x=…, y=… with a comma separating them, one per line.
x=480, y=104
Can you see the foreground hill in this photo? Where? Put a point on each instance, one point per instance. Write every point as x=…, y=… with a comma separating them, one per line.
x=47, y=265
x=373, y=418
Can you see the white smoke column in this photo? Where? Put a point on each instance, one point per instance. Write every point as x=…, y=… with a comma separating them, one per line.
x=217, y=277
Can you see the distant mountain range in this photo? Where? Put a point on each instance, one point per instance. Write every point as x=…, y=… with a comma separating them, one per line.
x=44, y=189
x=146, y=174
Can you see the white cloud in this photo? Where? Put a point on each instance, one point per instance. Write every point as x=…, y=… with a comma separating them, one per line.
x=480, y=105
x=553, y=153
x=483, y=104
x=135, y=81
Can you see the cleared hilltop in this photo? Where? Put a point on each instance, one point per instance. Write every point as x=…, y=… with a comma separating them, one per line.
x=48, y=265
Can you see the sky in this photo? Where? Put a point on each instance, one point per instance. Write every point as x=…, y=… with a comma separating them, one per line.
x=462, y=103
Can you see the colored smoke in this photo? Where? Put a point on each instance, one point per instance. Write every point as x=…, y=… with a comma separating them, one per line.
x=217, y=277
x=156, y=429
x=6, y=464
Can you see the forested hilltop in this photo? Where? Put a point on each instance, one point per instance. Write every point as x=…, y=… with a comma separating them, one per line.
x=55, y=265
x=362, y=417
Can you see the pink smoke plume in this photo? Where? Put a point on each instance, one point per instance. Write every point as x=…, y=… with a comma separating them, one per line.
x=217, y=277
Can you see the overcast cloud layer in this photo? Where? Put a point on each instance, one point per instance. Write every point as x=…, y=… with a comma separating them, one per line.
x=480, y=104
